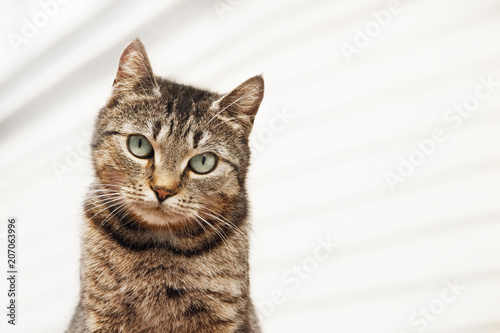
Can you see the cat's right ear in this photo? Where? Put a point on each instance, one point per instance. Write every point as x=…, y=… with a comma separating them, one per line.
x=134, y=71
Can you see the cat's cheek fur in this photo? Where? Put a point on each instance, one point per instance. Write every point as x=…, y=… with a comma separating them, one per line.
x=230, y=187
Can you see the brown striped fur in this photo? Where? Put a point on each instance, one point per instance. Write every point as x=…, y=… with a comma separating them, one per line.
x=180, y=265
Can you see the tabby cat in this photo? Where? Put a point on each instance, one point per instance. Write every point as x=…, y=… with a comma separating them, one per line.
x=165, y=237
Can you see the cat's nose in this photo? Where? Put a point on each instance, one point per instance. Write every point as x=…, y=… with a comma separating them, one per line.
x=161, y=193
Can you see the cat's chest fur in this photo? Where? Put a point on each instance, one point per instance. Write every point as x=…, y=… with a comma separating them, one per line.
x=155, y=290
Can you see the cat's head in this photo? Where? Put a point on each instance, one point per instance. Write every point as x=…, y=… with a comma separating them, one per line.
x=170, y=154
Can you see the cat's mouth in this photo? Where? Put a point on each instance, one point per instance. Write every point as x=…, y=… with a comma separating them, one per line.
x=157, y=214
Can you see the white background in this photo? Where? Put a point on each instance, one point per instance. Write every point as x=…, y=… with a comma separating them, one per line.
x=318, y=174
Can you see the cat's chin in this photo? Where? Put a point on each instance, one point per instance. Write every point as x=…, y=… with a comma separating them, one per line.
x=159, y=217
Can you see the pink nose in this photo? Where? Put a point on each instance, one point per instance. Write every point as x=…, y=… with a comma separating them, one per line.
x=161, y=193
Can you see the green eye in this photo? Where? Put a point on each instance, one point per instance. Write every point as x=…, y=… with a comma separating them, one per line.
x=203, y=163
x=139, y=146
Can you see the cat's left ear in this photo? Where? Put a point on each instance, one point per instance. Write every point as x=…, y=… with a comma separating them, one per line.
x=243, y=102
x=134, y=70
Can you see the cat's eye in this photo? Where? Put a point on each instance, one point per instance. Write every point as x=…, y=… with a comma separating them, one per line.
x=139, y=146
x=203, y=163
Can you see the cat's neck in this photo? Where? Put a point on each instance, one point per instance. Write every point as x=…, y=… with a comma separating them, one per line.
x=186, y=287
x=226, y=255
x=228, y=230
